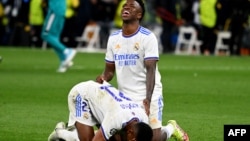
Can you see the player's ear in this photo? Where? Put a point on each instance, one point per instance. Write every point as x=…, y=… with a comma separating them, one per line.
x=139, y=15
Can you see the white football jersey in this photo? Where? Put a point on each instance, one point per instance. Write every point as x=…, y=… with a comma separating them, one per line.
x=105, y=105
x=128, y=53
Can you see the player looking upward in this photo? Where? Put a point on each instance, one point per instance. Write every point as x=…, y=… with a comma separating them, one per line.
x=132, y=54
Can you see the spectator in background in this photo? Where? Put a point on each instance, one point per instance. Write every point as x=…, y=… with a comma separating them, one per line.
x=151, y=19
x=245, y=50
x=36, y=19
x=117, y=23
x=70, y=28
x=85, y=14
x=196, y=17
x=170, y=13
x=51, y=33
x=223, y=11
x=19, y=29
x=208, y=17
x=5, y=21
x=239, y=18
x=104, y=13
x=196, y=12
x=186, y=11
x=2, y=24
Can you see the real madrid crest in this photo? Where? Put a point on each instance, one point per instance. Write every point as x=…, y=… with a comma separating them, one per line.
x=85, y=115
x=136, y=47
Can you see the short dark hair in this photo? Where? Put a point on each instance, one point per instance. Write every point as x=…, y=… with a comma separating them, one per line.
x=141, y=3
x=144, y=132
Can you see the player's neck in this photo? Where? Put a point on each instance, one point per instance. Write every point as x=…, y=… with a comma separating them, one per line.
x=129, y=29
x=130, y=124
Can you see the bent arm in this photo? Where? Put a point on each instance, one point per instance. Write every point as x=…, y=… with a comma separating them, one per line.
x=108, y=73
x=150, y=83
x=150, y=77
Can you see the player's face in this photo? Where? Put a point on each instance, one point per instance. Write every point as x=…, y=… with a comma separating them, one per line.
x=131, y=133
x=131, y=136
x=131, y=11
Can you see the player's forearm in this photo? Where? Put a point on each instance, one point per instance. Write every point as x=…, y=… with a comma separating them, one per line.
x=150, y=77
x=150, y=83
x=108, y=76
x=109, y=71
x=104, y=77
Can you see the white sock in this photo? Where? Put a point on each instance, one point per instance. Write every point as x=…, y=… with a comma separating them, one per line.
x=168, y=129
x=67, y=135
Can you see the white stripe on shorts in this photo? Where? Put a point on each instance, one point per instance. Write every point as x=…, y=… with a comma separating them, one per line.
x=50, y=21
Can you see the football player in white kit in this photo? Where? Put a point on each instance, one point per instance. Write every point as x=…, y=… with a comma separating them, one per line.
x=91, y=103
x=132, y=53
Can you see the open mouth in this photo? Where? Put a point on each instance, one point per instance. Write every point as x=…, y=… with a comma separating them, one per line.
x=125, y=13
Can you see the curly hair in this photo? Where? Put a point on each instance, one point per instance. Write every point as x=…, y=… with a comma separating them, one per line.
x=144, y=132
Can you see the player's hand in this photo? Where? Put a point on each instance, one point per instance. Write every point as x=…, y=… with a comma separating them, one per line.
x=146, y=104
x=100, y=79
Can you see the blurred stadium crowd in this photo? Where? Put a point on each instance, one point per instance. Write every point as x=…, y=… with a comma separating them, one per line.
x=22, y=20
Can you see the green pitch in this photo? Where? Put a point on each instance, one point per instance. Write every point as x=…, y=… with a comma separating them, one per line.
x=201, y=93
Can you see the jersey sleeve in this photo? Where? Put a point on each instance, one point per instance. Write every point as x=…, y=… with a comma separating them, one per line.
x=109, y=56
x=151, y=47
x=110, y=126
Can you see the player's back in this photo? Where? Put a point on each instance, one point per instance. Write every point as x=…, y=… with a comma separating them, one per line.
x=105, y=99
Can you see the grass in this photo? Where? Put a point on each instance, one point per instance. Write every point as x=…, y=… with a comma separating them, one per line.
x=202, y=93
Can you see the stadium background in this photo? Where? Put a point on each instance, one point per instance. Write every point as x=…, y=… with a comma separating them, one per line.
x=203, y=93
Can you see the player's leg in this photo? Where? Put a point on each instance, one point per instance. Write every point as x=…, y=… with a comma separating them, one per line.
x=80, y=116
x=172, y=129
x=53, y=135
x=70, y=133
x=51, y=32
x=163, y=133
x=85, y=132
x=155, y=117
x=67, y=134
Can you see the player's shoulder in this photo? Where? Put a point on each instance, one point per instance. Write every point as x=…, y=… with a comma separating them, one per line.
x=145, y=31
x=142, y=30
x=115, y=32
